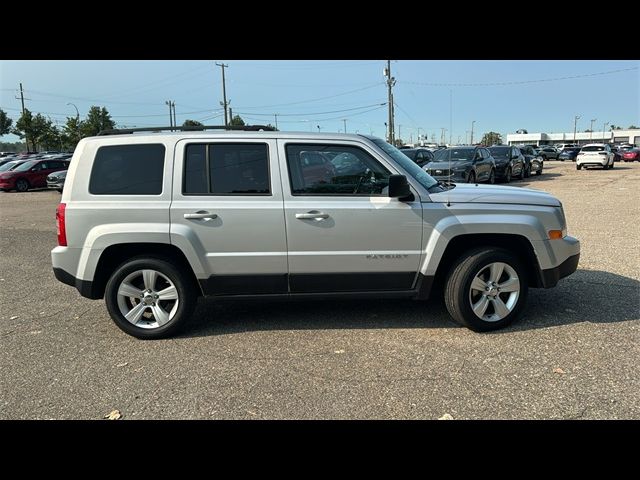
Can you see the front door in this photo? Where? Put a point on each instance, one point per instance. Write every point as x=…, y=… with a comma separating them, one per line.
x=227, y=207
x=343, y=233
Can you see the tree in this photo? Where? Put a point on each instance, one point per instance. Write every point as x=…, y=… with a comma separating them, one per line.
x=632, y=127
x=522, y=130
x=71, y=133
x=588, y=131
x=5, y=123
x=398, y=142
x=31, y=128
x=237, y=120
x=268, y=125
x=97, y=119
x=192, y=123
x=491, y=138
x=615, y=127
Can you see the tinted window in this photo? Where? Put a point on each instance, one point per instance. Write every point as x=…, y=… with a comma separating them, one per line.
x=227, y=169
x=593, y=148
x=128, y=170
x=315, y=170
x=412, y=154
x=500, y=152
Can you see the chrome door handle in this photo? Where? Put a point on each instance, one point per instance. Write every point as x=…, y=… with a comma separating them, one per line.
x=200, y=215
x=312, y=215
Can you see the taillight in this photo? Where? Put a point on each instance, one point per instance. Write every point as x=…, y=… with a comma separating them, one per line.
x=61, y=229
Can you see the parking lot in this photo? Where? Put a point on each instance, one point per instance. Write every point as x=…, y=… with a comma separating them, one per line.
x=573, y=355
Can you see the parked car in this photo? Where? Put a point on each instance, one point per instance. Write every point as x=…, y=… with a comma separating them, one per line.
x=534, y=163
x=631, y=155
x=547, y=153
x=421, y=156
x=151, y=221
x=30, y=174
x=562, y=146
x=56, y=180
x=569, y=153
x=509, y=163
x=462, y=164
x=595, y=154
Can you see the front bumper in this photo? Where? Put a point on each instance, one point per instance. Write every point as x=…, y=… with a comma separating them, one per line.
x=557, y=259
x=56, y=185
x=550, y=277
x=7, y=184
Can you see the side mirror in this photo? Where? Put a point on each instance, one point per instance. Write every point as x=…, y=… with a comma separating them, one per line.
x=398, y=186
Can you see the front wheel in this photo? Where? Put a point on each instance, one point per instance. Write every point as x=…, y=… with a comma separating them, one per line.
x=150, y=298
x=486, y=289
x=539, y=172
x=472, y=177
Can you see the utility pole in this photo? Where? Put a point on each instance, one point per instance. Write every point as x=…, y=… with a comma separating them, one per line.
x=168, y=102
x=575, y=125
x=604, y=127
x=472, y=124
x=450, y=115
x=345, y=124
x=276, y=116
x=26, y=136
x=391, y=81
x=400, y=132
x=224, y=102
x=175, y=122
x=230, y=115
x=591, y=128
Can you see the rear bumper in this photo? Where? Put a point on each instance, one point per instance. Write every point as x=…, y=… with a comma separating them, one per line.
x=85, y=287
x=592, y=161
x=56, y=185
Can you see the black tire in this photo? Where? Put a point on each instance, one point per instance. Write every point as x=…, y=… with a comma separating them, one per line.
x=578, y=167
x=22, y=185
x=59, y=191
x=527, y=171
x=522, y=172
x=539, y=172
x=544, y=157
x=611, y=166
x=507, y=175
x=471, y=178
x=492, y=177
x=458, y=285
x=187, y=297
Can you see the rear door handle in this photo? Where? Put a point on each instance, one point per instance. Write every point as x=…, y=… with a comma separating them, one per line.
x=312, y=215
x=200, y=215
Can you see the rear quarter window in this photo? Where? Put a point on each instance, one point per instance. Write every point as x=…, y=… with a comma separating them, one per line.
x=128, y=170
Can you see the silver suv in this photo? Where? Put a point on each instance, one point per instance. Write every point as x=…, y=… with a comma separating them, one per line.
x=150, y=221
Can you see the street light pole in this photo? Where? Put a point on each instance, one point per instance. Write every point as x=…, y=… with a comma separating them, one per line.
x=575, y=125
x=345, y=124
x=591, y=128
x=472, y=124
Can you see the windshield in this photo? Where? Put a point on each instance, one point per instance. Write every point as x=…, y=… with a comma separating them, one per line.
x=10, y=165
x=457, y=154
x=500, y=151
x=26, y=166
x=593, y=148
x=426, y=180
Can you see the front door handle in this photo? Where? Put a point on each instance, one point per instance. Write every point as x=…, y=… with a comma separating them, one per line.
x=312, y=215
x=200, y=215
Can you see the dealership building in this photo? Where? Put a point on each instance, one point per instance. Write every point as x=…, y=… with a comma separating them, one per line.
x=581, y=138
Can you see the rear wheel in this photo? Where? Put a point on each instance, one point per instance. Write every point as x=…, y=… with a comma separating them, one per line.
x=150, y=298
x=578, y=167
x=22, y=185
x=486, y=289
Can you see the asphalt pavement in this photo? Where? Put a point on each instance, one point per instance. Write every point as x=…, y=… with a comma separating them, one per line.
x=574, y=354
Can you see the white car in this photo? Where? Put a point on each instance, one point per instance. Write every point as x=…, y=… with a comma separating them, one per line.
x=595, y=155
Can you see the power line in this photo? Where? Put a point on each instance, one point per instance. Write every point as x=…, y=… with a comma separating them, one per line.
x=377, y=84
x=312, y=113
x=519, y=82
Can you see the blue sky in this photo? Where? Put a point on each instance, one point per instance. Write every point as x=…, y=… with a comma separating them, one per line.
x=502, y=96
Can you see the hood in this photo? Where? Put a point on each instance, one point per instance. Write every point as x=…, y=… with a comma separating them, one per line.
x=470, y=193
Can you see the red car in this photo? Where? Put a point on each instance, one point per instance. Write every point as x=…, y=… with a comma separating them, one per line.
x=30, y=174
x=631, y=155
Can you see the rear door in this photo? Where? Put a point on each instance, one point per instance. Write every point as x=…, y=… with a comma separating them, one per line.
x=227, y=206
x=343, y=233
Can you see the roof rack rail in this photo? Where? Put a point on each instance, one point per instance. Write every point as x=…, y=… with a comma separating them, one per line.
x=188, y=128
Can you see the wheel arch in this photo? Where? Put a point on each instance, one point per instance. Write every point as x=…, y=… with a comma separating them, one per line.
x=114, y=255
